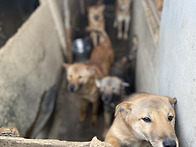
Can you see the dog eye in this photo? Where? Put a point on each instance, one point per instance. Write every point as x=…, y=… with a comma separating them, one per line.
x=170, y=118
x=147, y=119
x=80, y=77
x=70, y=76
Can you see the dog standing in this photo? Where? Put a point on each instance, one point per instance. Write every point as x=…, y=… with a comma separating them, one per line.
x=112, y=93
x=123, y=14
x=96, y=20
x=81, y=77
x=144, y=120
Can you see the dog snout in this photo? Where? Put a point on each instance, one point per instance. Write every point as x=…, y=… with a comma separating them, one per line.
x=96, y=18
x=72, y=88
x=106, y=98
x=169, y=143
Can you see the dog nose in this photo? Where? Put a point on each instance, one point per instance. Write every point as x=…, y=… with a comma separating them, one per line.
x=169, y=143
x=72, y=88
x=96, y=18
x=106, y=98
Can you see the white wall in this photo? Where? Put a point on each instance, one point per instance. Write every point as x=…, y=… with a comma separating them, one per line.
x=29, y=65
x=170, y=68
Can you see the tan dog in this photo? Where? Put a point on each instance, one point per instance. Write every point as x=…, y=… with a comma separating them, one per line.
x=81, y=78
x=112, y=93
x=144, y=120
x=123, y=14
x=96, y=20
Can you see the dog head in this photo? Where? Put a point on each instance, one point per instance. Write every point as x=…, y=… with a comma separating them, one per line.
x=151, y=118
x=95, y=13
x=78, y=75
x=111, y=88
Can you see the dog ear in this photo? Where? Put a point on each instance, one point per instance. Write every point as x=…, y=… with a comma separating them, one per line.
x=123, y=108
x=98, y=83
x=66, y=65
x=172, y=101
x=125, y=84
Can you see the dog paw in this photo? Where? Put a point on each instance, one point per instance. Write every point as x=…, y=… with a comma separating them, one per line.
x=115, y=24
x=119, y=35
x=82, y=118
x=125, y=36
x=104, y=132
x=94, y=120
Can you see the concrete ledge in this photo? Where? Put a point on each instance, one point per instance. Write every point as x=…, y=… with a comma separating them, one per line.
x=22, y=142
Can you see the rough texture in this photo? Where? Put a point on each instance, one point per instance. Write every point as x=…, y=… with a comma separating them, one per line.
x=21, y=142
x=29, y=65
x=169, y=68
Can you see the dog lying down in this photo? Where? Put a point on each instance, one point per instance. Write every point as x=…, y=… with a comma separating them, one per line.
x=144, y=120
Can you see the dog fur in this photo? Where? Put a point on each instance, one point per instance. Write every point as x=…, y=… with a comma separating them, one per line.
x=81, y=77
x=125, y=67
x=112, y=93
x=144, y=120
x=96, y=19
x=123, y=14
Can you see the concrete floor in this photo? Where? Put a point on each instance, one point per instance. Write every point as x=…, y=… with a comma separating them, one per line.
x=66, y=124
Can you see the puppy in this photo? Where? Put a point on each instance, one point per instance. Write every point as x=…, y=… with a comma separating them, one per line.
x=123, y=14
x=81, y=78
x=112, y=93
x=144, y=120
x=96, y=20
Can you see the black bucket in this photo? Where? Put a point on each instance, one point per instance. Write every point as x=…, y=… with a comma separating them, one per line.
x=82, y=48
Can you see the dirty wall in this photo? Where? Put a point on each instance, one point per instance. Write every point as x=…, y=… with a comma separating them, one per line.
x=169, y=67
x=30, y=62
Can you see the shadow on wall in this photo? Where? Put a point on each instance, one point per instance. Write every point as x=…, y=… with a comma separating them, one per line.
x=13, y=13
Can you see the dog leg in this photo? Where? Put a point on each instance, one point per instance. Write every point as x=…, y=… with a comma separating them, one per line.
x=115, y=23
x=95, y=113
x=125, y=36
x=119, y=29
x=113, y=141
x=83, y=107
x=93, y=36
x=107, y=121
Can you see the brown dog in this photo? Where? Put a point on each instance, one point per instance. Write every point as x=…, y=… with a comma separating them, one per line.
x=144, y=120
x=96, y=20
x=81, y=78
x=112, y=93
x=123, y=14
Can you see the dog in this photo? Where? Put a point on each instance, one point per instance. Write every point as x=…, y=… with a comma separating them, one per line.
x=112, y=93
x=123, y=14
x=144, y=120
x=96, y=19
x=81, y=77
x=124, y=68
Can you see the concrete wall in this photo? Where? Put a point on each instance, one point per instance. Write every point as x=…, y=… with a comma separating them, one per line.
x=169, y=68
x=29, y=65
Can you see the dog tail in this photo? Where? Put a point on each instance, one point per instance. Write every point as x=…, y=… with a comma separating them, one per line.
x=104, y=36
